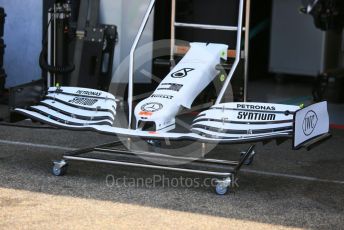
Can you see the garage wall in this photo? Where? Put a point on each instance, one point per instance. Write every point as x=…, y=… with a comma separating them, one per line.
x=297, y=47
x=128, y=15
x=23, y=33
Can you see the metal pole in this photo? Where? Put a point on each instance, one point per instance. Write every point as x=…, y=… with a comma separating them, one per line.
x=49, y=80
x=205, y=26
x=204, y=149
x=142, y=165
x=238, y=54
x=173, y=31
x=247, y=47
x=131, y=64
x=54, y=52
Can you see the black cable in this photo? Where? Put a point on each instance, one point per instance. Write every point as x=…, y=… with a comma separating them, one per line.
x=53, y=69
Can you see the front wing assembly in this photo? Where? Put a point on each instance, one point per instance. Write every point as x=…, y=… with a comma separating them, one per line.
x=229, y=123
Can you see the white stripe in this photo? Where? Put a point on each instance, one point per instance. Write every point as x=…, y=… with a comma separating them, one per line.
x=290, y=176
x=257, y=172
x=36, y=145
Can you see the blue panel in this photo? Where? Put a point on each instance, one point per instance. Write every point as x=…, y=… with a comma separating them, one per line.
x=23, y=36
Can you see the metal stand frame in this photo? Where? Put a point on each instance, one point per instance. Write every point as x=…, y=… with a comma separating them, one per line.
x=239, y=29
x=238, y=55
x=225, y=171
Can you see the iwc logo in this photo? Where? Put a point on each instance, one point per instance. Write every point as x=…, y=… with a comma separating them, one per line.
x=152, y=107
x=309, y=123
x=182, y=73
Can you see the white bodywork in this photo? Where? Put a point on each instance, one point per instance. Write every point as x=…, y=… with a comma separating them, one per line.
x=245, y=119
x=78, y=106
x=181, y=86
x=311, y=122
x=86, y=109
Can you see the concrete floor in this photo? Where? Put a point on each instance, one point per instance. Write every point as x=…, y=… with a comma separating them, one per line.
x=283, y=189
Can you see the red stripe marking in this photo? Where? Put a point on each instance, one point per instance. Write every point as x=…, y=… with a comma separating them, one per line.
x=145, y=114
x=334, y=126
x=152, y=132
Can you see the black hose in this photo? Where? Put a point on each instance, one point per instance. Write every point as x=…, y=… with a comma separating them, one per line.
x=53, y=69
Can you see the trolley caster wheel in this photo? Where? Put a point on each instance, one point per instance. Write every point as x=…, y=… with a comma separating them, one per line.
x=249, y=160
x=60, y=168
x=221, y=190
x=223, y=187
